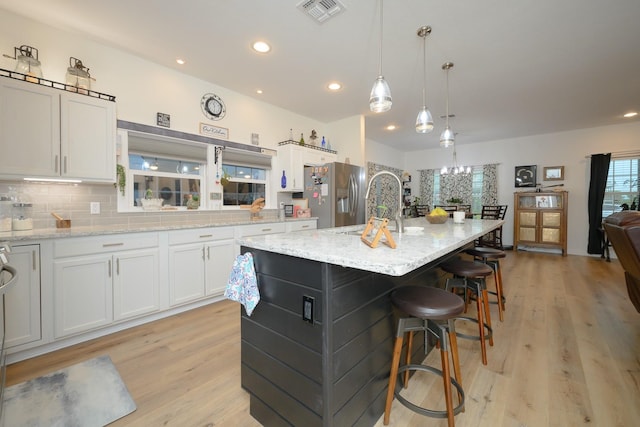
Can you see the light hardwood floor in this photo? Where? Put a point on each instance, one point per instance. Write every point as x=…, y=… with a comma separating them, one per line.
x=567, y=354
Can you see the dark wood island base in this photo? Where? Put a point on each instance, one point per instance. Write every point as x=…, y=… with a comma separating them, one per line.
x=333, y=369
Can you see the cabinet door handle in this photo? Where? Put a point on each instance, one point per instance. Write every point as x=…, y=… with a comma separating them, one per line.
x=65, y=164
x=106, y=245
x=56, y=164
x=33, y=261
x=305, y=226
x=118, y=266
x=206, y=236
x=266, y=229
x=109, y=268
x=203, y=253
x=208, y=253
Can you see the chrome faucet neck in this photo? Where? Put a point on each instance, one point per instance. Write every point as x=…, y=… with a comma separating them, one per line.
x=398, y=217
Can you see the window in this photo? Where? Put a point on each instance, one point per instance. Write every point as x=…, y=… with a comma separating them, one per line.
x=243, y=184
x=440, y=194
x=173, y=180
x=476, y=189
x=622, y=186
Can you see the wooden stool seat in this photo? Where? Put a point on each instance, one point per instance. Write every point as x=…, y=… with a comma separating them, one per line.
x=491, y=257
x=470, y=276
x=433, y=311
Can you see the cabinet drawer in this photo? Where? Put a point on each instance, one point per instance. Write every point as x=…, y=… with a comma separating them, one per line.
x=259, y=229
x=301, y=225
x=179, y=237
x=100, y=244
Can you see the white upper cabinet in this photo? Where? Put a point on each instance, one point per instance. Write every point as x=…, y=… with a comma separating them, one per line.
x=50, y=133
x=292, y=159
x=29, y=129
x=88, y=134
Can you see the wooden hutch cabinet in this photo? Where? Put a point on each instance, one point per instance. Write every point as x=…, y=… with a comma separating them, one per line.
x=540, y=220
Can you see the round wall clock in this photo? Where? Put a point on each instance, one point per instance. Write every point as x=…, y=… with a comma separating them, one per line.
x=213, y=106
x=525, y=176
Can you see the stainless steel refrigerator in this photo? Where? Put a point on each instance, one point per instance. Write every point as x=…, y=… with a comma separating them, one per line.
x=335, y=192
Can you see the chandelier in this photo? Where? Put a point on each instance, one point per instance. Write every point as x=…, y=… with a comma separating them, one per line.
x=455, y=169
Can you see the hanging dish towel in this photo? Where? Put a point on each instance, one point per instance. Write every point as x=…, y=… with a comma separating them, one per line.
x=243, y=285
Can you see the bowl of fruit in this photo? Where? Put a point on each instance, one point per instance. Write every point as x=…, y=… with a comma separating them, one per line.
x=437, y=216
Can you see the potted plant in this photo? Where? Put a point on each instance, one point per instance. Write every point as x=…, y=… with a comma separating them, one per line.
x=455, y=201
x=121, y=181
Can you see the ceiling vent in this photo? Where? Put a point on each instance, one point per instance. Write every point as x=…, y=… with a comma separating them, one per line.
x=320, y=10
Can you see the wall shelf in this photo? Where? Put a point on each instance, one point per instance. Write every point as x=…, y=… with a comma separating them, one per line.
x=314, y=147
x=55, y=85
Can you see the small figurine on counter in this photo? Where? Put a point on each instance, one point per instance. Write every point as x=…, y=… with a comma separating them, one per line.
x=313, y=136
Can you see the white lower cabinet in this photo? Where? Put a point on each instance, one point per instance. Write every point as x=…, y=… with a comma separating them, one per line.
x=135, y=283
x=82, y=294
x=199, y=263
x=22, y=301
x=92, y=291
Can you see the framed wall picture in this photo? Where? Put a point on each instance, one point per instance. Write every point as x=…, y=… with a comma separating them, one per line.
x=525, y=176
x=554, y=173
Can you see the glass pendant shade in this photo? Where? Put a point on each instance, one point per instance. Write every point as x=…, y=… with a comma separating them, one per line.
x=424, y=121
x=380, y=99
x=27, y=63
x=447, y=138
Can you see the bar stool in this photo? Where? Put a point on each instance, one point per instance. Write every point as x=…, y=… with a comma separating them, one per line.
x=470, y=276
x=491, y=257
x=433, y=311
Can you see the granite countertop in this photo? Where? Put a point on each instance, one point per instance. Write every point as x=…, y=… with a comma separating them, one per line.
x=55, y=233
x=343, y=246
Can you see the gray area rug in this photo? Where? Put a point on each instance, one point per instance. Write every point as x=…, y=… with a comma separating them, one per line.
x=88, y=394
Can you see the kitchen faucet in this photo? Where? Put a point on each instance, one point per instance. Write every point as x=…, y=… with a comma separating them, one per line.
x=399, y=224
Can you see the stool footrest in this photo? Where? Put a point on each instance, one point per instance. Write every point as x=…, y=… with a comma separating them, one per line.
x=425, y=411
x=487, y=336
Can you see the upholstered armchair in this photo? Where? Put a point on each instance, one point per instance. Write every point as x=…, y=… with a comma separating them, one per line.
x=623, y=231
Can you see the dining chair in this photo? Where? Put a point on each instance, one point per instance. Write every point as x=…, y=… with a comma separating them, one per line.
x=420, y=210
x=493, y=239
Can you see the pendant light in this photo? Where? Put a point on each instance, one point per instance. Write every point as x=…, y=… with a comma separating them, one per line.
x=447, y=137
x=424, y=121
x=380, y=98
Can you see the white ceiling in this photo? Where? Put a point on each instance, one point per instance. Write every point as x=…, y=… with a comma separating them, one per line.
x=521, y=67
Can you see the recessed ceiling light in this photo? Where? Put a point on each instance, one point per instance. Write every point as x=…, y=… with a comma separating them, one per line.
x=391, y=127
x=180, y=61
x=334, y=86
x=259, y=91
x=631, y=114
x=261, y=47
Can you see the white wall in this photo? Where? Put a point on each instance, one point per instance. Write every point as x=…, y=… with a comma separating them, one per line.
x=568, y=149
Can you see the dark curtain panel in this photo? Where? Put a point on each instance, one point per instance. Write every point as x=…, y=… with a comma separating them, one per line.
x=599, y=172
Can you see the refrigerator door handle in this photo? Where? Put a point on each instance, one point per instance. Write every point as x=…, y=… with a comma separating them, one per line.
x=353, y=196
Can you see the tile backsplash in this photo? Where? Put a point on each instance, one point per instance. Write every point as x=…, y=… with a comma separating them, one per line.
x=73, y=201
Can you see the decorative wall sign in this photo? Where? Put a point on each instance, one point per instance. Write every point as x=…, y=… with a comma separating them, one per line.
x=163, y=119
x=214, y=131
x=525, y=176
x=554, y=173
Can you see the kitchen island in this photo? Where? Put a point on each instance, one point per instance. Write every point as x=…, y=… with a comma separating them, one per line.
x=317, y=348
